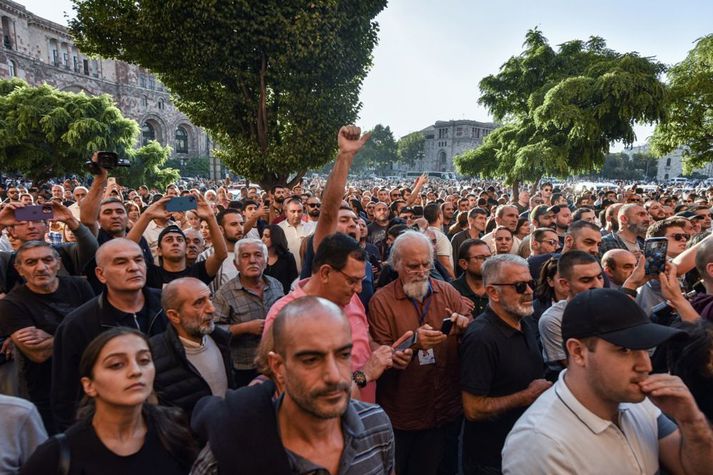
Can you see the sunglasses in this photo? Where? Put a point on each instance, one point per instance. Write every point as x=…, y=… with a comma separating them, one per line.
x=521, y=287
x=551, y=242
x=680, y=236
x=314, y=205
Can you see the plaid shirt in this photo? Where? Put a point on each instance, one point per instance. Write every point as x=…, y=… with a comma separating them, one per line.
x=236, y=304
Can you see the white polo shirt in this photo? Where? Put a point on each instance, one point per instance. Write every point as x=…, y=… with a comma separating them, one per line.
x=557, y=434
x=294, y=236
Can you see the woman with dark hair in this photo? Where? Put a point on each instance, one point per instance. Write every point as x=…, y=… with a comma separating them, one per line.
x=522, y=229
x=280, y=262
x=547, y=289
x=118, y=431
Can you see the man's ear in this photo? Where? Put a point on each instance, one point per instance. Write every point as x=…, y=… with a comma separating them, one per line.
x=99, y=272
x=277, y=365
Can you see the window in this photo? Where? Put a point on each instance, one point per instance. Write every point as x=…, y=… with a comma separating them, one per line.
x=85, y=64
x=152, y=83
x=147, y=133
x=160, y=104
x=181, y=140
x=142, y=80
x=442, y=133
x=145, y=101
x=6, y=34
x=75, y=64
x=55, y=57
x=66, y=60
x=459, y=131
x=668, y=162
x=11, y=69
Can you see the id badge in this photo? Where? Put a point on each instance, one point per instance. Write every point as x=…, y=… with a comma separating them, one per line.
x=426, y=357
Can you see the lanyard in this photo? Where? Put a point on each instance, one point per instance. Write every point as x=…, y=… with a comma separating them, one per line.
x=427, y=305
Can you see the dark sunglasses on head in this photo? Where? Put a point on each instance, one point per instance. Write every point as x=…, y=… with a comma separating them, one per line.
x=521, y=287
x=681, y=236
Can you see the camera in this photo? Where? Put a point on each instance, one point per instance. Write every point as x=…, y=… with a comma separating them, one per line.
x=107, y=161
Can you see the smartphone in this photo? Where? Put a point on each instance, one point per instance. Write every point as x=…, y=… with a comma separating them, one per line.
x=408, y=343
x=34, y=213
x=447, y=325
x=655, y=254
x=181, y=203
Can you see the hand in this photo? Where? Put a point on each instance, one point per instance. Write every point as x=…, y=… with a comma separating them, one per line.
x=157, y=209
x=672, y=396
x=401, y=358
x=460, y=322
x=103, y=172
x=469, y=305
x=7, y=214
x=428, y=337
x=535, y=388
x=254, y=326
x=350, y=139
x=638, y=277
x=61, y=213
x=380, y=359
x=203, y=209
x=8, y=349
x=31, y=336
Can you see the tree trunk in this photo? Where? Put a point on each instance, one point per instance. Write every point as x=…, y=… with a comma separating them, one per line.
x=515, y=191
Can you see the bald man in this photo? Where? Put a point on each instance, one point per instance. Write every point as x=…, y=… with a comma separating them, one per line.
x=314, y=423
x=618, y=265
x=125, y=302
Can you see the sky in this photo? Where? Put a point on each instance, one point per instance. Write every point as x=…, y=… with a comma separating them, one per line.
x=433, y=53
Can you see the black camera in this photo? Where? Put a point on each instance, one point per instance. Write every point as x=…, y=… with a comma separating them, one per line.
x=107, y=161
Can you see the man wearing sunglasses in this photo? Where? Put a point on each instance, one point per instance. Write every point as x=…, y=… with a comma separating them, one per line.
x=649, y=295
x=501, y=366
x=313, y=207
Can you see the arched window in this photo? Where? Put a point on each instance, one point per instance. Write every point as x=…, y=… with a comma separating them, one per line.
x=7, y=36
x=160, y=104
x=668, y=162
x=147, y=133
x=181, y=140
x=11, y=69
x=145, y=101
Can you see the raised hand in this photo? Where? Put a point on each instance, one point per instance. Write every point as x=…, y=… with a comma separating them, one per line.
x=350, y=139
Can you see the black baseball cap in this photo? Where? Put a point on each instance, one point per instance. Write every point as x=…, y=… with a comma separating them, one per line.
x=613, y=316
x=170, y=229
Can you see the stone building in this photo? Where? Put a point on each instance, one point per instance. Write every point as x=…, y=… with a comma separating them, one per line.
x=670, y=165
x=40, y=51
x=446, y=139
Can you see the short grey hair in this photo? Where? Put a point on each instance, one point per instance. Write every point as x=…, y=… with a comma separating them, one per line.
x=247, y=242
x=34, y=245
x=402, y=240
x=492, y=267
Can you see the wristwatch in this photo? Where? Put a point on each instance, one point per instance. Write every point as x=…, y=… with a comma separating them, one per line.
x=359, y=378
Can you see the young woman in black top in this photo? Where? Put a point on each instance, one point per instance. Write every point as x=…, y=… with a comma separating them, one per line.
x=280, y=262
x=117, y=431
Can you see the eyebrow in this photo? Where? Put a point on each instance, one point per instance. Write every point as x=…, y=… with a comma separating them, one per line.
x=140, y=352
x=322, y=353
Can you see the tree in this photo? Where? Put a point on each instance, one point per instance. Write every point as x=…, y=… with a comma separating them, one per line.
x=272, y=80
x=620, y=166
x=148, y=167
x=191, y=167
x=379, y=153
x=561, y=109
x=46, y=133
x=410, y=148
x=689, y=118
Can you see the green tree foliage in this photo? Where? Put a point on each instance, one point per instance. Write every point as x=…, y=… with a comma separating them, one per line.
x=191, y=167
x=620, y=166
x=149, y=166
x=689, y=121
x=560, y=109
x=379, y=153
x=46, y=133
x=272, y=80
x=410, y=148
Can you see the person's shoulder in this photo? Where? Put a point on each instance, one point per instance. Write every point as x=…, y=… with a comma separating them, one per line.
x=84, y=312
x=372, y=416
x=15, y=407
x=386, y=292
x=274, y=283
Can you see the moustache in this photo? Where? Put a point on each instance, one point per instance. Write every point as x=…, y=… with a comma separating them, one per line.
x=343, y=387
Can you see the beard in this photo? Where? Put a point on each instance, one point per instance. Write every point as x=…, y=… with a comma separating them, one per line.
x=416, y=289
x=309, y=401
x=518, y=308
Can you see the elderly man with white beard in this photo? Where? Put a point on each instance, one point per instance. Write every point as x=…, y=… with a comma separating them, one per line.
x=501, y=363
x=422, y=399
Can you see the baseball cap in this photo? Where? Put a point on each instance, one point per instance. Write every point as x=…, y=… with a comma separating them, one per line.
x=686, y=214
x=170, y=229
x=613, y=316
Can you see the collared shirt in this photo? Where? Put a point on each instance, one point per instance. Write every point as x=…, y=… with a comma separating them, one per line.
x=496, y=360
x=490, y=240
x=421, y=396
x=226, y=272
x=480, y=303
x=550, y=326
x=368, y=446
x=295, y=235
x=558, y=434
x=151, y=235
x=236, y=304
x=356, y=314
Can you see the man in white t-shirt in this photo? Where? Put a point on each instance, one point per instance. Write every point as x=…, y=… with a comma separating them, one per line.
x=606, y=413
x=444, y=251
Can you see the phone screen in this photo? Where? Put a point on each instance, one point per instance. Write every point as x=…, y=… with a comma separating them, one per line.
x=181, y=203
x=408, y=343
x=655, y=255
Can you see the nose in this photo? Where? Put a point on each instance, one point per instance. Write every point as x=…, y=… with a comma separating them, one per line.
x=331, y=374
x=210, y=308
x=134, y=369
x=642, y=362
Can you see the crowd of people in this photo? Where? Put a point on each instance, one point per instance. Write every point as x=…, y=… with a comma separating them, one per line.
x=334, y=328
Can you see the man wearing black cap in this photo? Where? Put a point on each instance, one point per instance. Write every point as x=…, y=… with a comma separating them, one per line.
x=172, y=246
x=606, y=413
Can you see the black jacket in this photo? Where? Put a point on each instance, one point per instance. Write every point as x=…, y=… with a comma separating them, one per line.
x=75, y=333
x=178, y=382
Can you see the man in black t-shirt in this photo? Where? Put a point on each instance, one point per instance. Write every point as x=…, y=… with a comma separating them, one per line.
x=171, y=246
x=30, y=314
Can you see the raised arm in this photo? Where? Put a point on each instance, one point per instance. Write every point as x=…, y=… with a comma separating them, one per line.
x=214, y=261
x=417, y=187
x=89, y=207
x=350, y=141
x=156, y=210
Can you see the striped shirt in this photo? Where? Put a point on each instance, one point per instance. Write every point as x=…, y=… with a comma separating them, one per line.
x=226, y=271
x=236, y=304
x=368, y=446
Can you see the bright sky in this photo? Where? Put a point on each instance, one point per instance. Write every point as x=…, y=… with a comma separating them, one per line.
x=432, y=53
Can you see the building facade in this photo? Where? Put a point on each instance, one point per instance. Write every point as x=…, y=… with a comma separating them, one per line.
x=446, y=139
x=670, y=165
x=40, y=51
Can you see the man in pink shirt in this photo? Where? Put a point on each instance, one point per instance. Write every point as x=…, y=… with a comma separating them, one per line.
x=338, y=269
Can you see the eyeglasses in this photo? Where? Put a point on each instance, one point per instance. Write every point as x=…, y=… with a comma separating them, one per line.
x=551, y=242
x=482, y=258
x=314, y=205
x=520, y=287
x=680, y=236
x=351, y=281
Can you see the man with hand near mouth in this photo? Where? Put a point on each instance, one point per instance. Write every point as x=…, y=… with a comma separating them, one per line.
x=606, y=396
